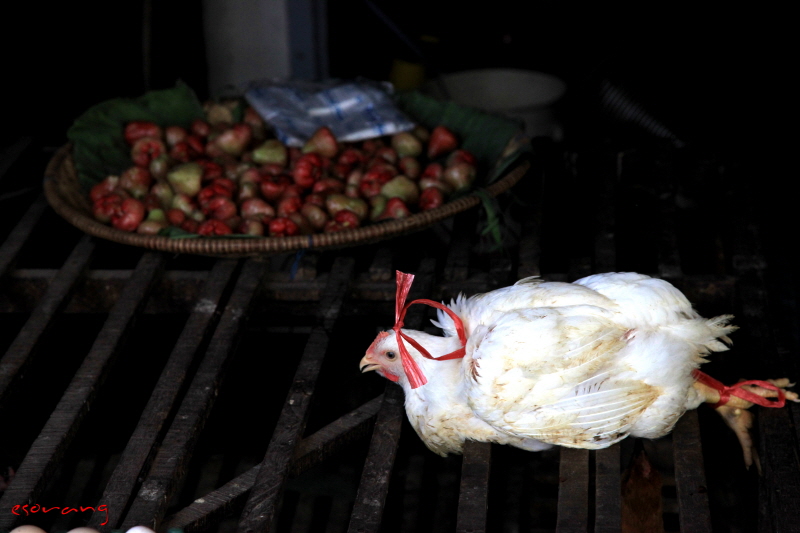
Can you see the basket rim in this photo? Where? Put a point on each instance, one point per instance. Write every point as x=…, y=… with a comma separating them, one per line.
x=61, y=163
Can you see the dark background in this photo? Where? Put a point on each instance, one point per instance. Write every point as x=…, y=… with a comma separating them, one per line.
x=714, y=75
x=721, y=78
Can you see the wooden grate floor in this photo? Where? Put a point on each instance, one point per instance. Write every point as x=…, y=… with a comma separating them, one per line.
x=224, y=395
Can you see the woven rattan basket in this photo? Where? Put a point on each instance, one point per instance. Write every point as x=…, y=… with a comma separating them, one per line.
x=63, y=192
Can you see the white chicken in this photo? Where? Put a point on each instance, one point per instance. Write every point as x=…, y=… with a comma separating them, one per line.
x=581, y=365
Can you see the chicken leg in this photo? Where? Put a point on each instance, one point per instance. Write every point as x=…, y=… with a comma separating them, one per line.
x=735, y=414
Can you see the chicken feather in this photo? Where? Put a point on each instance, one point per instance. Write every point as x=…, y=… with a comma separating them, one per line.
x=581, y=364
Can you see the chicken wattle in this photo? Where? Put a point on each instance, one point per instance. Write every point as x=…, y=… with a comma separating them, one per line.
x=581, y=364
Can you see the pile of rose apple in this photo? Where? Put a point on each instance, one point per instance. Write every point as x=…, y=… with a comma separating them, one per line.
x=218, y=178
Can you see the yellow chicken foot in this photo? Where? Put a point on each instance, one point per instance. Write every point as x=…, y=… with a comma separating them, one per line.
x=735, y=414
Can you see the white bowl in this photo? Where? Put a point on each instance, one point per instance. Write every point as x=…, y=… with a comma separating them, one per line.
x=525, y=95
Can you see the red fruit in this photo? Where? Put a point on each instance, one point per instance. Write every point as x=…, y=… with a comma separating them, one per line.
x=196, y=145
x=211, y=169
x=175, y=134
x=136, y=181
x=294, y=154
x=370, y=146
x=347, y=219
x=328, y=186
x=461, y=156
x=395, y=208
x=322, y=142
x=351, y=157
x=304, y=226
x=273, y=187
x=129, y=216
x=386, y=153
x=151, y=202
x=410, y=167
x=200, y=127
x=437, y=183
x=234, y=141
x=339, y=170
x=289, y=204
x=146, y=149
x=139, y=129
x=430, y=198
x=190, y=225
x=181, y=152
x=315, y=215
x=433, y=170
x=105, y=207
x=307, y=170
x=272, y=169
x=332, y=227
x=220, y=207
x=103, y=188
x=175, y=216
x=369, y=188
x=315, y=199
x=292, y=189
x=282, y=227
x=214, y=227
x=218, y=187
x=256, y=208
x=441, y=142
x=459, y=176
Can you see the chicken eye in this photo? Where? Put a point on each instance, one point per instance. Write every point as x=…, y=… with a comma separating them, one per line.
x=390, y=355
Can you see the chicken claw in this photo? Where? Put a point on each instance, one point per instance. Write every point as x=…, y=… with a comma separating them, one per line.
x=735, y=414
x=740, y=421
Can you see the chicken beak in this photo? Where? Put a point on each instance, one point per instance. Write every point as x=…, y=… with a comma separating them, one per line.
x=366, y=365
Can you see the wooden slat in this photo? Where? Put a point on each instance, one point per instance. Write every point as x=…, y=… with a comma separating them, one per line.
x=169, y=465
x=456, y=267
x=374, y=485
x=123, y=482
x=690, y=476
x=608, y=510
x=473, y=498
x=16, y=239
x=309, y=452
x=260, y=511
x=371, y=496
x=18, y=355
x=58, y=432
x=573, y=491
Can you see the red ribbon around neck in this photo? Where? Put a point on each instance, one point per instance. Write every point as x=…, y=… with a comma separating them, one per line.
x=413, y=372
x=738, y=389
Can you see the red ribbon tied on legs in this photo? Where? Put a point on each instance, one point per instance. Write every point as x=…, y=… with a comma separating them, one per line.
x=413, y=372
x=738, y=389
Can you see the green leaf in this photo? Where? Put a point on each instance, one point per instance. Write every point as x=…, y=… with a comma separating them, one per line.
x=99, y=148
